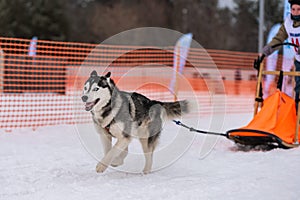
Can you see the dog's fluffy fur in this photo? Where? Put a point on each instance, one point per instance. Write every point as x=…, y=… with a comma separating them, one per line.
x=125, y=115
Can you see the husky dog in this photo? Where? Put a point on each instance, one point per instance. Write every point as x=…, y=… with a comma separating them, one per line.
x=125, y=115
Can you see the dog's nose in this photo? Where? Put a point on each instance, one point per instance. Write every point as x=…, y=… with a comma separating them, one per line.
x=84, y=98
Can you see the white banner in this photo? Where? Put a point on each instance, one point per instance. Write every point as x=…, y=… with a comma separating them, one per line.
x=181, y=51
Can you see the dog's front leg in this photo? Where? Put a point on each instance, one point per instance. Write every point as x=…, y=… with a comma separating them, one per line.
x=118, y=148
x=106, y=142
x=119, y=160
x=105, y=138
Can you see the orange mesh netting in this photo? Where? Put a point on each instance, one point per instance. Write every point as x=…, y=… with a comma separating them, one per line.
x=45, y=89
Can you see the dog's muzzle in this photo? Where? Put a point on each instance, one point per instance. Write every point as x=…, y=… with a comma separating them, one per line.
x=84, y=98
x=89, y=105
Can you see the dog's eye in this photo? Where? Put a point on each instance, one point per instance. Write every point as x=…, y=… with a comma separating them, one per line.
x=85, y=88
x=95, y=89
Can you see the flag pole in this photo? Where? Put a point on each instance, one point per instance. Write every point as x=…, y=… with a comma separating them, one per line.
x=261, y=25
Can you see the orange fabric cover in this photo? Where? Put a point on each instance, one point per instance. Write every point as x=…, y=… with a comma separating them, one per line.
x=277, y=116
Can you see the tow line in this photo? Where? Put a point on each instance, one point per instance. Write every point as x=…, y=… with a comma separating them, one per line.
x=179, y=123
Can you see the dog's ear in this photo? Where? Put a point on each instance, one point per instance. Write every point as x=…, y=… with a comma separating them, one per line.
x=94, y=74
x=108, y=75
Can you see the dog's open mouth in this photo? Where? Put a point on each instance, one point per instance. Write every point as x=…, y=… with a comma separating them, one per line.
x=89, y=105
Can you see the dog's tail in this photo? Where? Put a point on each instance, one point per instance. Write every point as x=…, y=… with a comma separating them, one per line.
x=177, y=108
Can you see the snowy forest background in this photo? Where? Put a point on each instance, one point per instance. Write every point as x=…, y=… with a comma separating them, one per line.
x=93, y=21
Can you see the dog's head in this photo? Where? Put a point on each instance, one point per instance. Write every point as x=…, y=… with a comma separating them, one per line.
x=97, y=91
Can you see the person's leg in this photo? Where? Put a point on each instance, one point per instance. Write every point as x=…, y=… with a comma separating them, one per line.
x=287, y=65
x=297, y=85
x=271, y=63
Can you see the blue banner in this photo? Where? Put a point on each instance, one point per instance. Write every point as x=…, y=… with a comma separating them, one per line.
x=32, y=46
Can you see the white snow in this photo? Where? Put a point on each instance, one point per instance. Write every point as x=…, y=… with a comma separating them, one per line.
x=54, y=163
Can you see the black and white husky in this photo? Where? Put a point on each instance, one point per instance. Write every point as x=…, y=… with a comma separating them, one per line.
x=125, y=115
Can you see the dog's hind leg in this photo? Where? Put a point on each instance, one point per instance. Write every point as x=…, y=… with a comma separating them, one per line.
x=148, y=152
x=154, y=129
x=117, y=149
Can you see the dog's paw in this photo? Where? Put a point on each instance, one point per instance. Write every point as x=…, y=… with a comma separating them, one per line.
x=117, y=162
x=146, y=171
x=100, y=168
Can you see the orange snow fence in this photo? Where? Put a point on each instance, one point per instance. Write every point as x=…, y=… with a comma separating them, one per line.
x=44, y=88
x=274, y=123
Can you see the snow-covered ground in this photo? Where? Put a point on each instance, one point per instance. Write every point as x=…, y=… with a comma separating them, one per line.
x=55, y=163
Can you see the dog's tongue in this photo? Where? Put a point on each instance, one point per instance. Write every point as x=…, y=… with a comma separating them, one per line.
x=89, y=106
